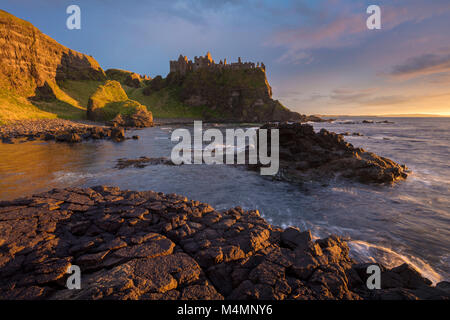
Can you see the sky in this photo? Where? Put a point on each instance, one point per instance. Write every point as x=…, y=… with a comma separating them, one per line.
x=320, y=56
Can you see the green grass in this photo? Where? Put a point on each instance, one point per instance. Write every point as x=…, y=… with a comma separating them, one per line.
x=6, y=16
x=126, y=108
x=111, y=91
x=61, y=109
x=71, y=102
x=80, y=90
x=118, y=74
x=109, y=100
x=14, y=107
x=247, y=78
x=165, y=104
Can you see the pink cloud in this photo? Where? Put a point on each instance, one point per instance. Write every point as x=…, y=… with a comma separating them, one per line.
x=348, y=27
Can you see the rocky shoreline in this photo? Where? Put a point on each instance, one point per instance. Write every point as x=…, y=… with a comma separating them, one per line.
x=59, y=130
x=307, y=155
x=149, y=245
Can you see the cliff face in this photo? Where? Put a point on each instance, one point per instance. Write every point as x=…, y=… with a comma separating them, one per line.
x=128, y=78
x=28, y=58
x=229, y=94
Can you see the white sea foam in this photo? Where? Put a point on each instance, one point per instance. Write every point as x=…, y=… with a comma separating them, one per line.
x=367, y=252
x=351, y=191
x=63, y=176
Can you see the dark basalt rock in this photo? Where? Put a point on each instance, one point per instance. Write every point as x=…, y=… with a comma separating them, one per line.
x=143, y=162
x=68, y=137
x=149, y=245
x=307, y=155
x=59, y=130
x=140, y=119
x=118, y=134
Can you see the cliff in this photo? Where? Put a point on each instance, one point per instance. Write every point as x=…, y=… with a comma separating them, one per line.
x=28, y=58
x=234, y=92
x=128, y=78
x=40, y=78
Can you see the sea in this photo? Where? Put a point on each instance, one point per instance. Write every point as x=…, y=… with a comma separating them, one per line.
x=407, y=222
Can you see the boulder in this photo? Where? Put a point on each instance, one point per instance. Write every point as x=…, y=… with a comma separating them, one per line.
x=110, y=103
x=293, y=238
x=118, y=134
x=68, y=137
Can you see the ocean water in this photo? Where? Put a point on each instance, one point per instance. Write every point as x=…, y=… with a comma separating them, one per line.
x=408, y=222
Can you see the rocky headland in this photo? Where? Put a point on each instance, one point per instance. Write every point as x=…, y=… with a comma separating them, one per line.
x=307, y=155
x=149, y=245
x=229, y=92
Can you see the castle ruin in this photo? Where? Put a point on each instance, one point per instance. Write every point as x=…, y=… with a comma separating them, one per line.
x=183, y=65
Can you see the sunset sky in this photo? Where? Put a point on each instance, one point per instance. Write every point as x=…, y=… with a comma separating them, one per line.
x=320, y=56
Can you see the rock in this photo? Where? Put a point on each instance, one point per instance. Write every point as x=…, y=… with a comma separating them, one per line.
x=68, y=137
x=143, y=162
x=403, y=276
x=140, y=119
x=148, y=245
x=110, y=103
x=237, y=93
x=127, y=78
x=54, y=129
x=45, y=59
x=306, y=155
x=444, y=285
x=7, y=140
x=118, y=134
x=201, y=292
x=292, y=238
x=304, y=265
x=158, y=246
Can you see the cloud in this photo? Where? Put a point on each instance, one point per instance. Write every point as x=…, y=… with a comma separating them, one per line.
x=331, y=28
x=365, y=97
x=426, y=64
x=439, y=78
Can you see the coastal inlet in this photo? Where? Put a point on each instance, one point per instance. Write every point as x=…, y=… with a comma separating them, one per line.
x=408, y=222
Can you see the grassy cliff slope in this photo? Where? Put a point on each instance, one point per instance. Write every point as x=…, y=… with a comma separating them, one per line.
x=110, y=100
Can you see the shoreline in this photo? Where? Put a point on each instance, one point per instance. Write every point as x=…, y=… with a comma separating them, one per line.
x=149, y=245
x=60, y=130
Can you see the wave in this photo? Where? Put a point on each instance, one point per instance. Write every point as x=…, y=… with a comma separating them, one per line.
x=63, y=176
x=351, y=191
x=366, y=252
x=346, y=122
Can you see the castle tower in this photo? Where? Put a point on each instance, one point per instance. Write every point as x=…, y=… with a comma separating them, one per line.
x=183, y=65
x=209, y=57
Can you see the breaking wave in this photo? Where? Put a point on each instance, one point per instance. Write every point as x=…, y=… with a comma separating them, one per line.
x=366, y=252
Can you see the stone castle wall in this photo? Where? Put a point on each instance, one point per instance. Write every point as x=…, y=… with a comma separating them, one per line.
x=183, y=65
